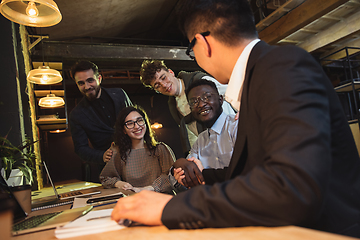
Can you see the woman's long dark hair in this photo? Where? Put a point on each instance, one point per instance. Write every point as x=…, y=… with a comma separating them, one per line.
x=123, y=141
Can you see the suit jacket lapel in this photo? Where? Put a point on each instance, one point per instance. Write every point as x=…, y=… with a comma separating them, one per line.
x=114, y=96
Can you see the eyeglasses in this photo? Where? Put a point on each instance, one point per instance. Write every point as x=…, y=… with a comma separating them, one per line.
x=205, y=97
x=131, y=124
x=189, y=50
x=160, y=83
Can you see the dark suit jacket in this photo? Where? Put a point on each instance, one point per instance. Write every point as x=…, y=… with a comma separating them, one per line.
x=86, y=125
x=295, y=161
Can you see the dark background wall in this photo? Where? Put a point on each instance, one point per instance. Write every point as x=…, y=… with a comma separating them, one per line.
x=10, y=115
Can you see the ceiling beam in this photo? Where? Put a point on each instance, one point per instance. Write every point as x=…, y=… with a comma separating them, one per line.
x=336, y=32
x=60, y=50
x=297, y=19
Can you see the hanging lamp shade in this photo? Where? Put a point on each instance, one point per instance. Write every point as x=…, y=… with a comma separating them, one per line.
x=51, y=101
x=44, y=75
x=33, y=13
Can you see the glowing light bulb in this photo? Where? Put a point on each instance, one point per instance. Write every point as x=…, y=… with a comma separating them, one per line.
x=156, y=125
x=44, y=78
x=31, y=10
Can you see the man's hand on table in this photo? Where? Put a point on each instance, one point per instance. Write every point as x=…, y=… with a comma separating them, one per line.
x=145, y=207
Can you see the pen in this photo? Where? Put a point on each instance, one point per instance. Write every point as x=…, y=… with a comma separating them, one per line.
x=128, y=223
x=95, y=218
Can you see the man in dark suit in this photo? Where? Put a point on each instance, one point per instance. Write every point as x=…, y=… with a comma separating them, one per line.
x=295, y=161
x=93, y=118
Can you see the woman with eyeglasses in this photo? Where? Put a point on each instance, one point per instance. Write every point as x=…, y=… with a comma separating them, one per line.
x=139, y=162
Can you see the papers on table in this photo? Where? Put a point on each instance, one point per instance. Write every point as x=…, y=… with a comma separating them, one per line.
x=93, y=222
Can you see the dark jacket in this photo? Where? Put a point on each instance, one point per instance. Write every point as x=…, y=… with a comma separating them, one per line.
x=86, y=125
x=294, y=162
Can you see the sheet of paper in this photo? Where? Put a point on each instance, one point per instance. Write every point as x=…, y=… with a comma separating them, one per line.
x=79, y=202
x=82, y=201
x=93, y=222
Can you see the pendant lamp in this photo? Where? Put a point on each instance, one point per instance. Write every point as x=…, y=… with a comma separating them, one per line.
x=44, y=75
x=51, y=101
x=33, y=13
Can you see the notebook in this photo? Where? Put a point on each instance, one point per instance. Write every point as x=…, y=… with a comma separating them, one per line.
x=59, y=199
x=50, y=220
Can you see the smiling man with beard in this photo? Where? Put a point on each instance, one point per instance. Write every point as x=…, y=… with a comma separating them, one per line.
x=93, y=118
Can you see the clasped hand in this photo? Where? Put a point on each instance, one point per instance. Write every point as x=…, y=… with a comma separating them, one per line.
x=188, y=172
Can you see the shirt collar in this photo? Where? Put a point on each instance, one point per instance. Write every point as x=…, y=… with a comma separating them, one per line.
x=233, y=91
x=219, y=124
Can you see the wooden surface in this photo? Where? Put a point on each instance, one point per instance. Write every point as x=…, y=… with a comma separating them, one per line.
x=297, y=18
x=162, y=233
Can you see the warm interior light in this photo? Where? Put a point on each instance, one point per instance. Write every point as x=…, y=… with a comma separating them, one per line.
x=51, y=101
x=58, y=131
x=33, y=13
x=44, y=75
x=31, y=10
x=156, y=125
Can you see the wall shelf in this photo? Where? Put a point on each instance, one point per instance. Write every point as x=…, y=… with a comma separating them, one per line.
x=347, y=87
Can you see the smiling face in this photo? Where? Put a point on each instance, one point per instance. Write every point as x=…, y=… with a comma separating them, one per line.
x=207, y=107
x=135, y=126
x=88, y=84
x=166, y=83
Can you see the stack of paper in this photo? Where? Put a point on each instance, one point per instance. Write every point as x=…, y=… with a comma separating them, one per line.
x=93, y=222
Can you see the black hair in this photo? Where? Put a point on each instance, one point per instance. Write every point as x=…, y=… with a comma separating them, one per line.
x=123, y=141
x=227, y=20
x=201, y=82
x=83, y=66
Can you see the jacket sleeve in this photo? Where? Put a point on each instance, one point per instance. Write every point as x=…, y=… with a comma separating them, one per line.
x=109, y=175
x=81, y=142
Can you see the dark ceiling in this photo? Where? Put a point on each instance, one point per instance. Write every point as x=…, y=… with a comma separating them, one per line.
x=119, y=34
x=116, y=21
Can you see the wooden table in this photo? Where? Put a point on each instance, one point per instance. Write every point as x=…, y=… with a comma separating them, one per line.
x=162, y=233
